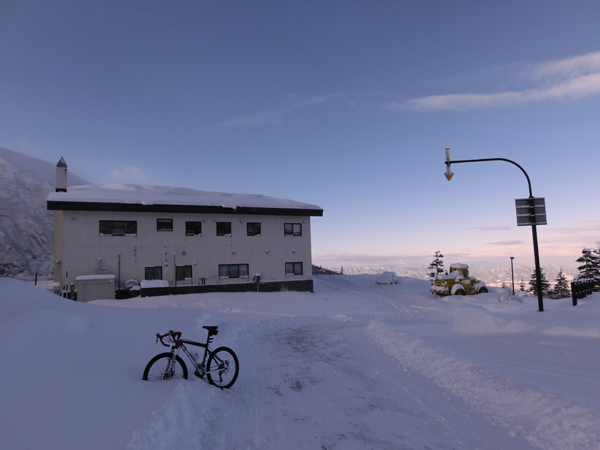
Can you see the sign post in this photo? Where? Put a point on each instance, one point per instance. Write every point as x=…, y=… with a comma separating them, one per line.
x=530, y=213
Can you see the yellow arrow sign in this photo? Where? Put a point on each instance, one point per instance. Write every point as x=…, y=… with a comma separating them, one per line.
x=449, y=175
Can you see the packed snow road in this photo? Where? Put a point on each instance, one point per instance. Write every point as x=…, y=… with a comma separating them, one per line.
x=325, y=386
x=353, y=366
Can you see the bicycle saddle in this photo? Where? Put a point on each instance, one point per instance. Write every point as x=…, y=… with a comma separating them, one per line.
x=212, y=330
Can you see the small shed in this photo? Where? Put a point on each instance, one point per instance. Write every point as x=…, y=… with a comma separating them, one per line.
x=95, y=287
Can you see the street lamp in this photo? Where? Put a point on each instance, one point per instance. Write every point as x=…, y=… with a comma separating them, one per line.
x=534, y=214
x=512, y=274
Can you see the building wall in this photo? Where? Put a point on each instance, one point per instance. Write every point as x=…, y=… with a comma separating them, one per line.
x=58, y=244
x=85, y=252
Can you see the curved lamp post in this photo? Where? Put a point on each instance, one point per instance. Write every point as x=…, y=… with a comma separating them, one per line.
x=536, y=254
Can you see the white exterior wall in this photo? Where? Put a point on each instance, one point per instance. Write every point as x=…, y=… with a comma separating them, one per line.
x=85, y=252
x=58, y=245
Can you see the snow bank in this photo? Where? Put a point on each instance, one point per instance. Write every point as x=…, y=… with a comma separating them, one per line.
x=77, y=379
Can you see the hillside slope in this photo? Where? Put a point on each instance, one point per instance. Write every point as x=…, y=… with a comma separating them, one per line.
x=26, y=227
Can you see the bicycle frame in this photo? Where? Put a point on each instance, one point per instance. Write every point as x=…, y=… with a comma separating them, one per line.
x=178, y=343
x=199, y=367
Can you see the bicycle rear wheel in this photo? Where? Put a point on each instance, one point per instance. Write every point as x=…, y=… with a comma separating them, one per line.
x=157, y=368
x=222, y=368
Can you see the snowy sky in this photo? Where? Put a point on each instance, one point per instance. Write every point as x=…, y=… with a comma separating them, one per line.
x=344, y=104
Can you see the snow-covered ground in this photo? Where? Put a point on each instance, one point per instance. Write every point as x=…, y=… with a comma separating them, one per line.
x=353, y=366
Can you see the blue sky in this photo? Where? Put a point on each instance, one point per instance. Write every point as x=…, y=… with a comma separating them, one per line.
x=345, y=104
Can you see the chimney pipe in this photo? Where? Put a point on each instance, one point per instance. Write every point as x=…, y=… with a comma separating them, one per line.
x=61, y=176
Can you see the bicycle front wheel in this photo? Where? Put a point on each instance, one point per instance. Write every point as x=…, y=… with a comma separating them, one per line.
x=161, y=368
x=222, y=368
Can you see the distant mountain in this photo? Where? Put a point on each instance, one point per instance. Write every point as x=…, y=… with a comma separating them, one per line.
x=26, y=227
x=493, y=276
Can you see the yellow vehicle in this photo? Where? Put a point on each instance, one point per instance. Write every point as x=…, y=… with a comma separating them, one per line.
x=457, y=282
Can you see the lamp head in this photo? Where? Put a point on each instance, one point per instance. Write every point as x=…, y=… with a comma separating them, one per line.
x=448, y=173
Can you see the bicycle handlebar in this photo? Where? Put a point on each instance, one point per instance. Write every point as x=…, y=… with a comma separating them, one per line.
x=174, y=335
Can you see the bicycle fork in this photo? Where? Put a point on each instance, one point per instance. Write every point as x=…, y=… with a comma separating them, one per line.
x=170, y=369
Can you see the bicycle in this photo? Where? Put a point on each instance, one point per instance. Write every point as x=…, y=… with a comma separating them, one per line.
x=221, y=368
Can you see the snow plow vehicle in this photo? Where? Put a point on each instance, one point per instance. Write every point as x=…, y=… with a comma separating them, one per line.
x=457, y=282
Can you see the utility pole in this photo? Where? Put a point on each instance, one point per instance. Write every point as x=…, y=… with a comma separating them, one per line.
x=512, y=273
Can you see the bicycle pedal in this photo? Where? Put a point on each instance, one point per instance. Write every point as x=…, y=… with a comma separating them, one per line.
x=198, y=374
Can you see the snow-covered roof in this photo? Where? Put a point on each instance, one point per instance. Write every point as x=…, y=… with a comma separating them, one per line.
x=131, y=197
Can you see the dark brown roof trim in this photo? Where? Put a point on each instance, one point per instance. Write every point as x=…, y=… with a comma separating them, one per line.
x=190, y=209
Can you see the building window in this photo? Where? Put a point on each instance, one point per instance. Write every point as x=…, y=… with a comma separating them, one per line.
x=164, y=224
x=253, y=229
x=233, y=270
x=118, y=228
x=292, y=229
x=183, y=273
x=193, y=228
x=223, y=228
x=293, y=268
x=153, y=273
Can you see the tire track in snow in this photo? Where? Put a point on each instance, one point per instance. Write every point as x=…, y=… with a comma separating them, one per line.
x=324, y=386
x=547, y=421
x=175, y=424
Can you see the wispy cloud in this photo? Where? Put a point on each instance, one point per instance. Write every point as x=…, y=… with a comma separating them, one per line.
x=129, y=174
x=567, y=79
x=493, y=227
x=274, y=116
x=570, y=67
x=506, y=243
x=582, y=227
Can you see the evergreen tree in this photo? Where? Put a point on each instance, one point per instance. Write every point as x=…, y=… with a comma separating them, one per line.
x=561, y=287
x=533, y=283
x=522, y=286
x=589, y=266
x=597, y=254
x=436, y=266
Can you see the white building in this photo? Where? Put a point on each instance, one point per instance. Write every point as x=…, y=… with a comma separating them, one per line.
x=197, y=241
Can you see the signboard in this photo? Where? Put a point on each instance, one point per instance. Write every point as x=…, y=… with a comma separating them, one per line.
x=531, y=211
